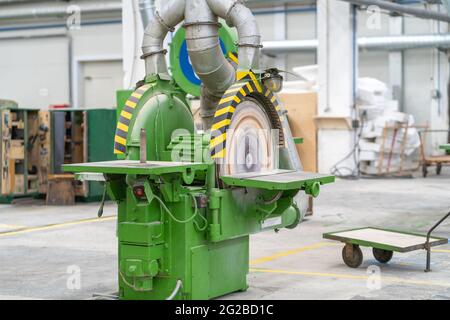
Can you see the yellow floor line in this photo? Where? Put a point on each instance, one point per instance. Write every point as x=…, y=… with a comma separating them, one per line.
x=11, y=226
x=56, y=226
x=440, y=251
x=384, y=279
x=310, y=248
x=292, y=252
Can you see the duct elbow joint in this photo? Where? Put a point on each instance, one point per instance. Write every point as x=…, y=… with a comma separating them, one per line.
x=236, y=14
x=155, y=33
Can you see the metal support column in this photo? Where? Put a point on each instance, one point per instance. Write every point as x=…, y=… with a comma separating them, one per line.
x=337, y=60
x=396, y=74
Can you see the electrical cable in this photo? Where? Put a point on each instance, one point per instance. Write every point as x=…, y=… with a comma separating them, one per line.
x=354, y=174
x=131, y=285
x=172, y=215
x=192, y=218
x=274, y=199
x=197, y=226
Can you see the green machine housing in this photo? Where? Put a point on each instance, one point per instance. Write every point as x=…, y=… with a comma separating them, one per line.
x=183, y=229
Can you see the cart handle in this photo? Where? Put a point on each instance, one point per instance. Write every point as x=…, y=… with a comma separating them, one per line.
x=427, y=244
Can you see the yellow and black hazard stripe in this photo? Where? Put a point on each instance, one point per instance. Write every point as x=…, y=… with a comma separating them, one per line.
x=250, y=76
x=273, y=99
x=123, y=125
x=233, y=57
x=248, y=84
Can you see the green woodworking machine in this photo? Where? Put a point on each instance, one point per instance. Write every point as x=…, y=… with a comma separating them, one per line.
x=188, y=201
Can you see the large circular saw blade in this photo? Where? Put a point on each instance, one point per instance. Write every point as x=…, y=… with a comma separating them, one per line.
x=251, y=143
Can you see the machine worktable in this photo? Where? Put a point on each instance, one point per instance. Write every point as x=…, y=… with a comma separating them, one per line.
x=277, y=180
x=134, y=167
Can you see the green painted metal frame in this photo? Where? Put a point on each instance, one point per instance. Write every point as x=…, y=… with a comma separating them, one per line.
x=438, y=241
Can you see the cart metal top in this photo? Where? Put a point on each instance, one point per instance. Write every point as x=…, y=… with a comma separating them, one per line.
x=385, y=239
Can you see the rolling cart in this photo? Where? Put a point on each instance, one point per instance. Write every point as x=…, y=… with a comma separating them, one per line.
x=384, y=243
x=433, y=161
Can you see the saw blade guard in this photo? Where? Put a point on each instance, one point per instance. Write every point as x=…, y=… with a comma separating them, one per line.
x=251, y=141
x=247, y=133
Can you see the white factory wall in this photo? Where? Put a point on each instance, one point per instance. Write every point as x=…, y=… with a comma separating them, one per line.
x=100, y=40
x=35, y=72
x=301, y=26
x=93, y=48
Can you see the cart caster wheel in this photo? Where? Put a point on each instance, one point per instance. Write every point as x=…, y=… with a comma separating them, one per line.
x=438, y=169
x=352, y=255
x=382, y=256
x=424, y=171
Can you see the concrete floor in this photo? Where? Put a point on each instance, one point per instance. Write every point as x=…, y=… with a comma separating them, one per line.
x=294, y=264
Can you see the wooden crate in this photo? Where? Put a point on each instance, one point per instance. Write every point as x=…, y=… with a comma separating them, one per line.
x=60, y=190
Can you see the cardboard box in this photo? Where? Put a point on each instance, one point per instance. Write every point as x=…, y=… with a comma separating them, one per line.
x=302, y=110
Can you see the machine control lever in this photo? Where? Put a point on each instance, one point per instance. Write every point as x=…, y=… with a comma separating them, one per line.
x=143, y=146
x=102, y=204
